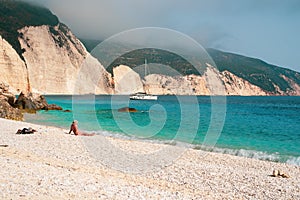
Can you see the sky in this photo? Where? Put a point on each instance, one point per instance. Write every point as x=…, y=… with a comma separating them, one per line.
x=264, y=29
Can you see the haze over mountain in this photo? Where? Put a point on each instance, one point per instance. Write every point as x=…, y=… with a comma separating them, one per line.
x=264, y=29
x=41, y=54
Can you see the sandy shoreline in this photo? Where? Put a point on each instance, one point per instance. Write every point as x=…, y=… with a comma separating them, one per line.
x=51, y=164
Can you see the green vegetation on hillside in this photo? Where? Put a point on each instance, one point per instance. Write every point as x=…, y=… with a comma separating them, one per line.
x=254, y=70
x=15, y=15
x=90, y=44
x=158, y=56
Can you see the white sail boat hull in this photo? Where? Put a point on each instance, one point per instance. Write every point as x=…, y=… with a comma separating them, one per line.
x=142, y=96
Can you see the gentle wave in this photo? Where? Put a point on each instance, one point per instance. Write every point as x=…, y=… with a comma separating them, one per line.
x=274, y=157
x=294, y=161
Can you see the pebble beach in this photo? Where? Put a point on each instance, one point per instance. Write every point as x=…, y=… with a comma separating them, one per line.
x=51, y=164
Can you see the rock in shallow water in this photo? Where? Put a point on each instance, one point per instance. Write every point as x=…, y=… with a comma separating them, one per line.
x=127, y=109
x=34, y=102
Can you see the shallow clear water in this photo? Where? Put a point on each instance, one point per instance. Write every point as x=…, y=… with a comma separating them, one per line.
x=261, y=127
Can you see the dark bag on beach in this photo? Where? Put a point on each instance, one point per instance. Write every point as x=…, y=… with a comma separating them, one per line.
x=26, y=131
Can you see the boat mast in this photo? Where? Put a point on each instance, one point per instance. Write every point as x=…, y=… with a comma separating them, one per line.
x=145, y=67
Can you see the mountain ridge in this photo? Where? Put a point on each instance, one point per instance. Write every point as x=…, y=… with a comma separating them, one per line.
x=52, y=57
x=271, y=78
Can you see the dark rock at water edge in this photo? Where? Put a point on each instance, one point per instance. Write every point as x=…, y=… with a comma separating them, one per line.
x=34, y=102
x=30, y=102
x=10, y=108
x=53, y=107
x=127, y=109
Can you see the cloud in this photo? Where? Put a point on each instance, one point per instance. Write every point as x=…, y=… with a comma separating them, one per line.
x=233, y=25
x=101, y=19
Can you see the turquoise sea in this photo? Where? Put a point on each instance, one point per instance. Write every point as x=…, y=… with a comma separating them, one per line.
x=266, y=128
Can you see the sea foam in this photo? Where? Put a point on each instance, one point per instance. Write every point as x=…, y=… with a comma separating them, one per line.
x=294, y=161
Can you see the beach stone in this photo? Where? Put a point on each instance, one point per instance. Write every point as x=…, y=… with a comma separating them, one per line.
x=275, y=173
x=285, y=175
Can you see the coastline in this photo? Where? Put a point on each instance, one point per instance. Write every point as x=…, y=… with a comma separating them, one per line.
x=52, y=164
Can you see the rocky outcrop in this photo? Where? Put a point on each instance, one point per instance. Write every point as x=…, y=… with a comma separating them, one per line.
x=295, y=88
x=167, y=85
x=7, y=100
x=208, y=84
x=9, y=112
x=238, y=86
x=33, y=102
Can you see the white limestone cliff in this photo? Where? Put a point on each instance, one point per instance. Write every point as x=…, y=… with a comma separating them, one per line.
x=13, y=69
x=58, y=63
x=208, y=84
x=168, y=85
x=237, y=86
x=126, y=80
x=212, y=82
x=295, y=88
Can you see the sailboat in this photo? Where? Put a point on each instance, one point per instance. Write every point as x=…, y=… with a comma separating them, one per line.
x=143, y=95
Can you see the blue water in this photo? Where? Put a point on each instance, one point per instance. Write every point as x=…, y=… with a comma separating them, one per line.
x=266, y=128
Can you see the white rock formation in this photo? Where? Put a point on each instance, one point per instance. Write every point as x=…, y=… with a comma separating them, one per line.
x=213, y=81
x=295, y=87
x=56, y=62
x=167, y=85
x=13, y=68
x=92, y=78
x=210, y=83
x=126, y=80
x=238, y=86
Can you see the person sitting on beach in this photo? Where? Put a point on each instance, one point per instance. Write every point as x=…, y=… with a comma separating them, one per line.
x=75, y=130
